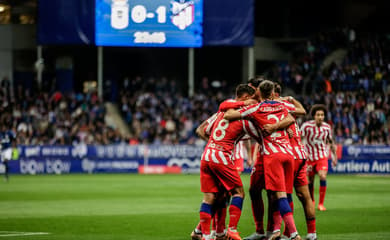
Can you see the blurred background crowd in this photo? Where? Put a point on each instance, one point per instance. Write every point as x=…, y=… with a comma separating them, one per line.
x=355, y=88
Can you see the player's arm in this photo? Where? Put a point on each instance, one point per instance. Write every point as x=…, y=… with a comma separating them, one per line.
x=303, y=133
x=200, y=130
x=299, y=109
x=256, y=150
x=333, y=149
x=248, y=146
x=228, y=104
x=232, y=115
x=204, y=129
x=290, y=132
x=287, y=121
x=224, y=106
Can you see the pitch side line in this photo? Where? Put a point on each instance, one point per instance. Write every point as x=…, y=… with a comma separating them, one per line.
x=17, y=234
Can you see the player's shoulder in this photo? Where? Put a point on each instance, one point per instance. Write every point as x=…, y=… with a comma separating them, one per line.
x=271, y=104
x=287, y=103
x=247, y=110
x=310, y=123
x=326, y=125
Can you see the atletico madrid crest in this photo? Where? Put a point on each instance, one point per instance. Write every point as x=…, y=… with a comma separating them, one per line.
x=182, y=13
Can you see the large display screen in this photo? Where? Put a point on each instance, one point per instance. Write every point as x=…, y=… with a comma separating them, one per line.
x=149, y=23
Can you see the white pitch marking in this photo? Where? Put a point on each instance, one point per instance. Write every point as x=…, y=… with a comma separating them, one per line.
x=17, y=234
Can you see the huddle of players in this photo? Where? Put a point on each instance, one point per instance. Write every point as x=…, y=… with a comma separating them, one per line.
x=279, y=165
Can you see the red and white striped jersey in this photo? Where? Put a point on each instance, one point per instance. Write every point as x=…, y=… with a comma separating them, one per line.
x=240, y=151
x=223, y=137
x=230, y=103
x=296, y=142
x=270, y=112
x=316, y=139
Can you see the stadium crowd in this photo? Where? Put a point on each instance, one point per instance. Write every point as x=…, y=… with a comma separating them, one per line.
x=41, y=118
x=157, y=111
x=357, y=93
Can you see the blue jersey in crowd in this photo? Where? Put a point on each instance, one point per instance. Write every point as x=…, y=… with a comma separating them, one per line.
x=6, y=139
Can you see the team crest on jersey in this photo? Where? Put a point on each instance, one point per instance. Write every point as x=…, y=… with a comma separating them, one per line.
x=182, y=13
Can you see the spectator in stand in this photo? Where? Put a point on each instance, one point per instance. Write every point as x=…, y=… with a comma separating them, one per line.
x=57, y=119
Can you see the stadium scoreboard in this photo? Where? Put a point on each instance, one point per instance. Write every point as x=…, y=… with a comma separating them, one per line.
x=149, y=23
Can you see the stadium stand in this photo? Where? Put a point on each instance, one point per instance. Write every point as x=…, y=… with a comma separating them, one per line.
x=354, y=88
x=54, y=118
x=357, y=94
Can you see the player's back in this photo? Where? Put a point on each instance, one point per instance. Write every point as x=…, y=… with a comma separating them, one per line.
x=225, y=134
x=296, y=142
x=270, y=112
x=296, y=138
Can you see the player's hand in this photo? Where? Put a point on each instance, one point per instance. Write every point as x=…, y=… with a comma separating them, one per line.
x=290, y=133
x=334, y=161
x=249, y=162
x=250, y=102
x=270, y=128
x=288, y=98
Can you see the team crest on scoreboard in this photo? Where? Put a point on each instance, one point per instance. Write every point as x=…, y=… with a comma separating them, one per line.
x=182, y=13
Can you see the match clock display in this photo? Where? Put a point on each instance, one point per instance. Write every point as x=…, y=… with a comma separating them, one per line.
x=149, y=23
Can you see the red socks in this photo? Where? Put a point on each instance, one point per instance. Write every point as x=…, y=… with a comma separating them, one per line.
x=235, y=212
x=205, y=221
x=258, y=212
x=311, y=225
x=322, y=192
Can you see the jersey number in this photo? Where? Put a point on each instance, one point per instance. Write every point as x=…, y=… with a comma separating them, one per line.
x=221, y=127
x=273, y=116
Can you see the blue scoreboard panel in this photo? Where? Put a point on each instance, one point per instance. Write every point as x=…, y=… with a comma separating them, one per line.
x=149, y=23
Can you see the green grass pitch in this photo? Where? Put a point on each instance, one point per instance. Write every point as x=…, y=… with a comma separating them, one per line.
x=129, y=206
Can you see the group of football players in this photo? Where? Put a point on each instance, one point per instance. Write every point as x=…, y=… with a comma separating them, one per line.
x=280, y=163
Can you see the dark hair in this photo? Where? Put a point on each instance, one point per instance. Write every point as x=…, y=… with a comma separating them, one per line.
x=266, y=88
x=318, y=107
x=244, y=88
x=255, y=82
x=278, y=88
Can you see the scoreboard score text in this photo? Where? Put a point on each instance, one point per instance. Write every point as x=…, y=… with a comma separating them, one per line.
x=149, y=23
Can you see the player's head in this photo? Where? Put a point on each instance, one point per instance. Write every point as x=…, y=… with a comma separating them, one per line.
x=277, y=90
x=318, y=112
x=244, y=92
x=255, y=83
x=266, y=89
